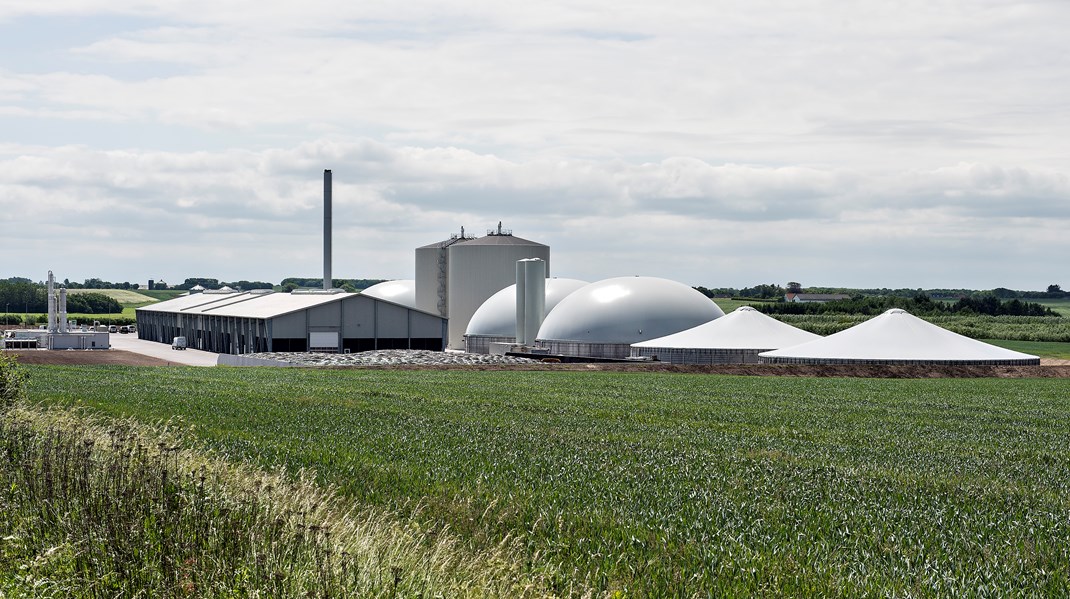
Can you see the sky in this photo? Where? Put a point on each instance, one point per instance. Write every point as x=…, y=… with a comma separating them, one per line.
x=723, y=143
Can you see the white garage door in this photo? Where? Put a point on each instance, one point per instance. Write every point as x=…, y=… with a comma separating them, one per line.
x=323, y=341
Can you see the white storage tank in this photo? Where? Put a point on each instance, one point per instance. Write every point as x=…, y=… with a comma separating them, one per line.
x=455, y=277
x=897, y=337
x=604, y=319
x=737, y=338
x=495, y=320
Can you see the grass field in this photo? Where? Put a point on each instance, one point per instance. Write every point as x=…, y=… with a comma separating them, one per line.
x=1044, y=349
x=163, y=294
x=123, y=296
x=662, y=485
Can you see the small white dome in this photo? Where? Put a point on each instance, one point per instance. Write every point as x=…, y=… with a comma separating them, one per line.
x=497, y=316
x=627, y=310
x=402, y=291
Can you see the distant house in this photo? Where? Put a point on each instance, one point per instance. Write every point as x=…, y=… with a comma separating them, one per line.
x=815, y=298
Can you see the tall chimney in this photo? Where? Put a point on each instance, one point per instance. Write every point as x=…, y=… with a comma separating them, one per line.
x=51, y=303
x=327, y=281
x=62, y=310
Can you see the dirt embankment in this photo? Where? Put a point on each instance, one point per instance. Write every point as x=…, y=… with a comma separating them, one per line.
x=1047, y=369
x=86, y=357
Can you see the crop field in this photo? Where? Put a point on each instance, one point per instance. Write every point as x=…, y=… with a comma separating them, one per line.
x=1043, y=349
x=653, y=485
x=123, y=296
x=1013, y=328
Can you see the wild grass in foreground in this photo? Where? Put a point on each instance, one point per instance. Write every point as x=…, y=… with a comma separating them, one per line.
x=663, y=485
x=94, y=509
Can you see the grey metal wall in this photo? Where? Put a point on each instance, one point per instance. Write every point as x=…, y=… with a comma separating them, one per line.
x=431, y=278
x=362, y=323
x=478, y=271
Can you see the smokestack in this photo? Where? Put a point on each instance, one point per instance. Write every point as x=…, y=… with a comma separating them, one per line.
x=327, y=281
x=51, y=303
x=63, y=309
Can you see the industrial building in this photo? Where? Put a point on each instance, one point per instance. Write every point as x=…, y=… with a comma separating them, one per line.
x=604, y=319
x=59, y=333
x=454, y=277
x=897, y=337
x=329, y=320
x=263, y=321
x=495, y=320
x=736, y=338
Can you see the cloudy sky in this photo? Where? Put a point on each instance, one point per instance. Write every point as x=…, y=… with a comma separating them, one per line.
x=715, y=142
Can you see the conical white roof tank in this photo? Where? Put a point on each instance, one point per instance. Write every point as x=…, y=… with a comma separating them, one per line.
x=898, y=337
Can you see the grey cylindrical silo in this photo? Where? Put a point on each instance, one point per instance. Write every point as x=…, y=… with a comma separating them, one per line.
x=62, y=310
x=521, y=274
x=534, y=297
x=327, y=281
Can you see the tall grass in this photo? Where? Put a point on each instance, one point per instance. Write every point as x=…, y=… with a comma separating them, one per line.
x=90, y=508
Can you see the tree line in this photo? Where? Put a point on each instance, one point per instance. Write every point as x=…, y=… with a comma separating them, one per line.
x=919, y=305
x=24, y=296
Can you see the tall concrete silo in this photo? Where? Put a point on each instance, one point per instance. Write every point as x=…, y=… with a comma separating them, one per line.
x=455, y=277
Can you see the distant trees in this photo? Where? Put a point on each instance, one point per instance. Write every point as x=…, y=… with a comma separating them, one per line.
x=98, y=284
x=1055, y=289
x=33, y=298
x=355, y=284
x=917, y=305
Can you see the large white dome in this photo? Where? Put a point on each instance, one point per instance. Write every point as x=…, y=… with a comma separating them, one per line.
x=497, y=316
x=627, y=310
x=402, y=291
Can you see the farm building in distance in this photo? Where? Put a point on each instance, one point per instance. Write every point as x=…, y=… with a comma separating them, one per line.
x=263, y=321
x=815, y=298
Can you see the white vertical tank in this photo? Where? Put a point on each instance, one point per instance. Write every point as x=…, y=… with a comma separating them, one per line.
x=51, y=303
x=454, y=277
x=62, y=310
x=530, y=299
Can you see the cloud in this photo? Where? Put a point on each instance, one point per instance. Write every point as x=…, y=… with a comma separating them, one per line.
x=723, y=142
x=680, y=217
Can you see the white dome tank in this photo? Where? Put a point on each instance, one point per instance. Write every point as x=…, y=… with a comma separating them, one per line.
x=603, y=319
x=495, y=320
x=402, y=291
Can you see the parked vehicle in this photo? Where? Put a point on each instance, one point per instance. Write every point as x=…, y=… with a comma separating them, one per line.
x=113, y=329
x=178, y=343
x=124, y=329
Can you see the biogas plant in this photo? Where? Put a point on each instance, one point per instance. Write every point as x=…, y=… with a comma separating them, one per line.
x=496, y=294
x=58, y=333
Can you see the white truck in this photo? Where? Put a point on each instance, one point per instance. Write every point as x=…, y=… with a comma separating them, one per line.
x=178, y=343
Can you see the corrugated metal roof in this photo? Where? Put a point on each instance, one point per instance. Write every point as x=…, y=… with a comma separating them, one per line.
x=502, y=240
x=254, y=305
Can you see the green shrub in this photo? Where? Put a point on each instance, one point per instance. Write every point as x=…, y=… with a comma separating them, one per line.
x=12, y=381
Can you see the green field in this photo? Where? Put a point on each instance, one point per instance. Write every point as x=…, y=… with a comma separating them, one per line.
x=163, y=294
x=1043, y=349
x=123, y=296
x=658, y=484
